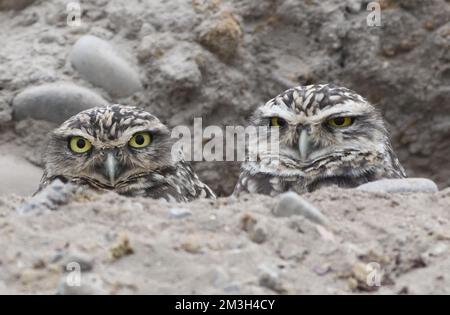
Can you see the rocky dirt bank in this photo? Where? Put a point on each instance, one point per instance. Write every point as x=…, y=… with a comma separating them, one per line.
x=342, y=242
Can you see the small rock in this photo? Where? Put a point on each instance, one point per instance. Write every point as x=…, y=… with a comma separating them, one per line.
x=84, y=261
x=248, y=221
x=270, y=279
x=97, y=61
x=14, y=4
x=152, y=47
x=54, y=102
x=256, y=229
x=292, y=204
x=354, y=6
x=220, y=279
x=258, y=234
x=179, y=69
x=222, y=36
x=28, y=276
x=122, y=247
x=179, y=213
x=89, y=284
x=191, y=247
x=29, y=18
x=322, y=269
x=365, y=277
x=404, y=185
x=51, y=197
x=435, y=251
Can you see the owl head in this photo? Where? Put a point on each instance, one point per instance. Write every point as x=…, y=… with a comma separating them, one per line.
x=323, y=130
x=108, y=146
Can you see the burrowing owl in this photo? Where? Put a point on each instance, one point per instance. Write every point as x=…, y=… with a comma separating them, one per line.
x=329, y=135
x=123, y=149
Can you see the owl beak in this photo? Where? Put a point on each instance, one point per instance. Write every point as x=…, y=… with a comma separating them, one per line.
x=111, y=167
x=305, y=145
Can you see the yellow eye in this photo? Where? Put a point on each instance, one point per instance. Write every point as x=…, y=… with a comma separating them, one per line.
x=79, y=145
x=140, y=140
x=341, y=122
x=277, y=122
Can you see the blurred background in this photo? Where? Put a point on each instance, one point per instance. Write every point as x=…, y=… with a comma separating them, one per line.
x=219, y=59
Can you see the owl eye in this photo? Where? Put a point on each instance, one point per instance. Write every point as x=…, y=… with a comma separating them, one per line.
x=277, y=122
x=79, y=145
x=140, y=140
x=341, y=122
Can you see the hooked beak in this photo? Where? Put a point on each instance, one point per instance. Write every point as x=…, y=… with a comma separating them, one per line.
x=111, y=168
x=305, y=145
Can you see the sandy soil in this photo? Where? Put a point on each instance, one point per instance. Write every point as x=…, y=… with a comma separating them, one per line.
x=229, y=246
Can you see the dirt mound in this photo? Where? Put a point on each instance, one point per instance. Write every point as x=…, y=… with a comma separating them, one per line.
x=229, y=246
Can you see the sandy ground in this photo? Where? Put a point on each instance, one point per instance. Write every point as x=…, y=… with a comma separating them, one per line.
x=230, y=246
x=220, y=59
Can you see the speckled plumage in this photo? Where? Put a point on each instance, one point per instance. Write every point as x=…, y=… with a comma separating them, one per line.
x=347, y=157
x=149, y=172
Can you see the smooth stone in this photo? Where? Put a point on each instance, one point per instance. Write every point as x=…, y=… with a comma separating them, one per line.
x=54, y=102
x=291, y=204
x=403, y=185
x=14, y=4
x=17, y=176
x=179, y=213
x=84, y=261
x=269, y=278
x=97, y=62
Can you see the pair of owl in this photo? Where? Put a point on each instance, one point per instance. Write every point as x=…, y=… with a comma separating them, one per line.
x=328, y=135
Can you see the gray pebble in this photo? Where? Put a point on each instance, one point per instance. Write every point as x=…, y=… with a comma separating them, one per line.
x=291, y=204
x=354, y=6
x=84, y=261
x=258, y=234
x=270, y=279
x=14, y=4
x=179, y=213
x=405, y=185
x=436, y=250
x=97, y=62
x=54, y=102
x=51, y=197
x=90, y=284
